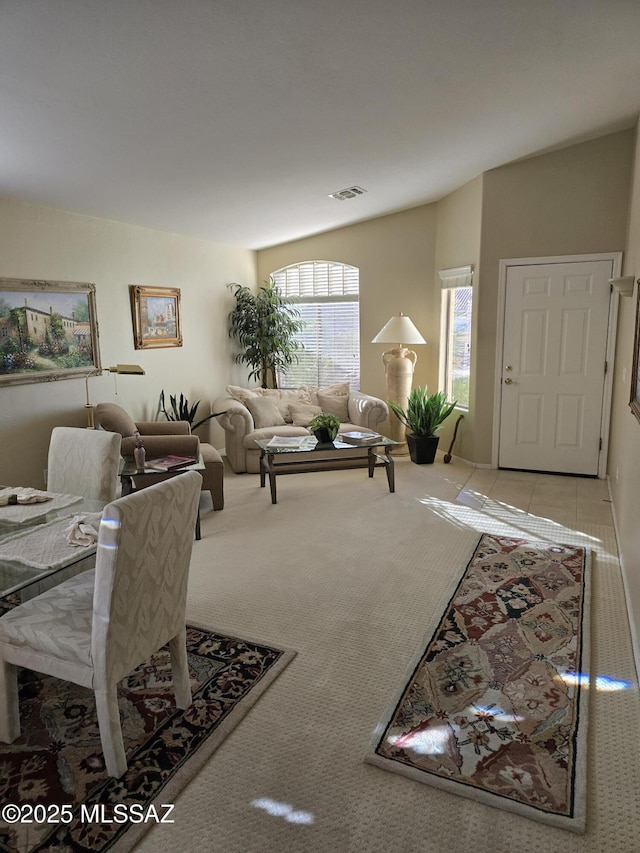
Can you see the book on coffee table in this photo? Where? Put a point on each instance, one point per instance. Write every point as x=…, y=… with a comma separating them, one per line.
x=168, y=463
x=288, y=440
x=355, y=437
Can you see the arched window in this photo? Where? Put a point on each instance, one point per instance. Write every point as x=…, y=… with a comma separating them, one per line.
x=327, y=296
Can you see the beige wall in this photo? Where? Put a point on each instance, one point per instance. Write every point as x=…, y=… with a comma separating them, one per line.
x=396, y=258
x=41, y=243
x=572, y=201
x=624, y=440
x=457, y=245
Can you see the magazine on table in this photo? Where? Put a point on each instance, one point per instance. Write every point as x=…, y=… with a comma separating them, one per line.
x=355, y=437
x=168, y=463
x=287, y=440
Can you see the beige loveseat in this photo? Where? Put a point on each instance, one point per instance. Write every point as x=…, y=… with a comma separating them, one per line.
x=262, y=413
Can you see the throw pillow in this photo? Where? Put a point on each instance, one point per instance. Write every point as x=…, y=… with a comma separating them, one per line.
x=335, y=404
x=284, y=398
x=264, y=411
x=113, y=418
x=242, y=394
x=301, y=413
x=337, y=388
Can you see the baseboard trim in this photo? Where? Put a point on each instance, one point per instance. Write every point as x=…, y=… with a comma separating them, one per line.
x=632, y=625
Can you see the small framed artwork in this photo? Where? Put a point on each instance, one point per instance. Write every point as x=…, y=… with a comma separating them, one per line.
x=48, y=330
x=634, y=402
x=156, y=316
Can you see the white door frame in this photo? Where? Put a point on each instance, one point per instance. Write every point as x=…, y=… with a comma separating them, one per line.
x=616, y=259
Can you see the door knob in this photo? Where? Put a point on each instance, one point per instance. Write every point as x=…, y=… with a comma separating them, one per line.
x=509, y=381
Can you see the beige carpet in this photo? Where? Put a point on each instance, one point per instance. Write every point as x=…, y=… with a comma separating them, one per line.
x=349, y=576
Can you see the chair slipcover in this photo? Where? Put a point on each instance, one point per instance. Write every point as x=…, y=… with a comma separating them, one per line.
x=94, y=629
x=83, y=462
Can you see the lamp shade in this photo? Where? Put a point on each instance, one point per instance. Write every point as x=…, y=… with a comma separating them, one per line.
x=399, y=330
x=127, y=369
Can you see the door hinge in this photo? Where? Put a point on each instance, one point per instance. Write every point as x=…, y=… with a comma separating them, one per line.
x=600, y=445
x=606, y=366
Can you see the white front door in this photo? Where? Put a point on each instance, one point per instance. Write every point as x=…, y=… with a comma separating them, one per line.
x=553, y=370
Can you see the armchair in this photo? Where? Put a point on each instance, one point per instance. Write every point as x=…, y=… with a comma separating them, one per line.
x=164, y=438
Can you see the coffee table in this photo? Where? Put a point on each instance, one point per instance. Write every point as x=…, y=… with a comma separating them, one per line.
x=310, y=456
x=148, y=476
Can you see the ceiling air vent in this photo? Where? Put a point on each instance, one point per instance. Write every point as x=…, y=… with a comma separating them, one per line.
x=350, y=192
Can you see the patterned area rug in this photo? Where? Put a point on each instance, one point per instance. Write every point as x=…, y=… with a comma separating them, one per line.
x=57, y=761
x=495, y=707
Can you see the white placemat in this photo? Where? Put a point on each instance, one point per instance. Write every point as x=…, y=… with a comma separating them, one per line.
x=19, y=513
x=47, y=546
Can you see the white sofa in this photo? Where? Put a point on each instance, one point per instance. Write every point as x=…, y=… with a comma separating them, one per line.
x=251, y=413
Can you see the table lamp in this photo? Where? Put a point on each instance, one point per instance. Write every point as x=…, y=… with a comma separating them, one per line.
x=399, y=363
x=127, y=369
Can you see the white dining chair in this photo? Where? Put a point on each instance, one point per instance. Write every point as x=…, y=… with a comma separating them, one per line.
x=83, y=462
x=95, y=628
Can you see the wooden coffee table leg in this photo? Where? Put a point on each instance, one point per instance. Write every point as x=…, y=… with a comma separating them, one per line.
x=371, y=455
x=263, y=466
x=391, y=477
x=272, y=479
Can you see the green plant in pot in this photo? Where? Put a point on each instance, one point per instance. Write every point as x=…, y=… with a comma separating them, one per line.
x=325, y=427
x=182, y=411
x=265, y=325
x=423, y=416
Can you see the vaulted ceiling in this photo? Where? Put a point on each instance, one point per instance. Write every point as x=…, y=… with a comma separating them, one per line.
x=233, y=120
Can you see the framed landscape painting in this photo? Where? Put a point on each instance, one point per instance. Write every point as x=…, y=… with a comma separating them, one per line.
x=635, y=373
x=48, y=330
x=156, y=316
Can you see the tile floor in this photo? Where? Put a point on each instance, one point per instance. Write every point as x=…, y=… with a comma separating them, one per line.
x=571, y=501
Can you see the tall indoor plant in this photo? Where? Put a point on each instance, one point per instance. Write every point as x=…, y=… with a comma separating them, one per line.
x=423, y=416
x=264, y=325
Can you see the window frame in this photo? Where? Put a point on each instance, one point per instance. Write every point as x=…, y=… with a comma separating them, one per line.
x=320, y=278
x=453, y=279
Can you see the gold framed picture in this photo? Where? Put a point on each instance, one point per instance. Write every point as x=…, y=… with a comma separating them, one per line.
x=156, y=316
x=48, y=330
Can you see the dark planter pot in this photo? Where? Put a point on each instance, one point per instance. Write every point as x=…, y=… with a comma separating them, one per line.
x=422, y=450
x=324, y=437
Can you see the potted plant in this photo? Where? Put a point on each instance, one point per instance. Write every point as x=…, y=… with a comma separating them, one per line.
x=264, y=325
x=325, y=427
x=423, y=416
x=182, y=411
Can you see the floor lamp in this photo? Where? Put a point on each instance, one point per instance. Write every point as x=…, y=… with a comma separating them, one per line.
x=127, y=369
x=399, y=363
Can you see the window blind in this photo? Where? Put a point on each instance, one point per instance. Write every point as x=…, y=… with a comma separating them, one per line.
x=326, y=295
x=456, y=277
x=318, y=278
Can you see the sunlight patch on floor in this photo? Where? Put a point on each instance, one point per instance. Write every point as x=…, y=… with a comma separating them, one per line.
x=283, y=810
x=504, y=519
x=603, y=683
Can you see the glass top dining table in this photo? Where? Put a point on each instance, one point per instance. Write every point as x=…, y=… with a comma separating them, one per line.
x=34, y=549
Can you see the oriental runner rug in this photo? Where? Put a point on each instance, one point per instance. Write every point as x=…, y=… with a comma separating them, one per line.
x=54, y=791
x=495, y=706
